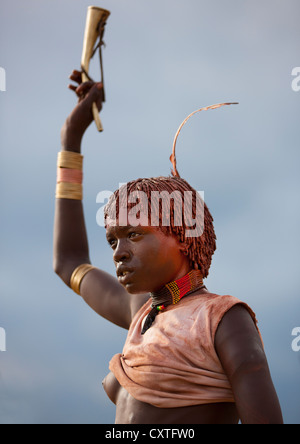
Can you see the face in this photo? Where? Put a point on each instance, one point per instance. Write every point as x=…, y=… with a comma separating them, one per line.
x=145, y=258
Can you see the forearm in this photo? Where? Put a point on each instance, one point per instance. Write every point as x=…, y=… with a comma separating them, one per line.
x=70, y=237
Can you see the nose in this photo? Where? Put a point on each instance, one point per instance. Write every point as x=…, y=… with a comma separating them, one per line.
x=121, y=252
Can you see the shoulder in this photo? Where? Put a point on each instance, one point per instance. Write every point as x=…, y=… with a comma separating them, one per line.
x=237, y=320
x=212, y=308
x=220, y=306
x=238, y=340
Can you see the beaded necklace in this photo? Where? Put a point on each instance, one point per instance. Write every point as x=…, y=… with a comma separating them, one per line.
x=171, y=294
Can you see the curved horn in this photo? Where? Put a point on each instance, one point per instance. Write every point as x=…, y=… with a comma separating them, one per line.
x=94, y=30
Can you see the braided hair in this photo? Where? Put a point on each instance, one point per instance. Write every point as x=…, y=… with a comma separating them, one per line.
x=178, y=220
x=199, y=248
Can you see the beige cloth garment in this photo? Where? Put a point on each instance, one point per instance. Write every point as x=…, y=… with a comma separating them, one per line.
x=175, y=364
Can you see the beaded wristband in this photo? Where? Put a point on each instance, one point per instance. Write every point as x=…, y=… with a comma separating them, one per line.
x=77, y=276
x=66, y=190
x=69, y=159
x=69, y=175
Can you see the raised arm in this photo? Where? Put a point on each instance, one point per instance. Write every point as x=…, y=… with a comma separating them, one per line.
x=70, y=238
x=99, y=289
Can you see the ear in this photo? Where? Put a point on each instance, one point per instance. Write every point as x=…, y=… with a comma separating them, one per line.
x=184, y=249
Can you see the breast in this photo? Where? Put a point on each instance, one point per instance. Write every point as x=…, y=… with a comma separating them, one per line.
x=111, y=387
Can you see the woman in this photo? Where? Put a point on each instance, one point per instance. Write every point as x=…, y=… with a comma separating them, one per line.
x=190, y=356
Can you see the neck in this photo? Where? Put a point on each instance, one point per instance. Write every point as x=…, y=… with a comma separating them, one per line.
x=172, y=292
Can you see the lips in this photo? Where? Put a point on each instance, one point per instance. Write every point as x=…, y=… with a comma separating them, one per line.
x=124, y=274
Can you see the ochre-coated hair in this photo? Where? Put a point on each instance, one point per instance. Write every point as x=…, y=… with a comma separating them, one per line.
x=199, y=249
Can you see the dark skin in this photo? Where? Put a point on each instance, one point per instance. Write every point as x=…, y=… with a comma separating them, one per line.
x=151, y=259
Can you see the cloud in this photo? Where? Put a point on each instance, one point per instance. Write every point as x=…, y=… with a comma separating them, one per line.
x=163, y=60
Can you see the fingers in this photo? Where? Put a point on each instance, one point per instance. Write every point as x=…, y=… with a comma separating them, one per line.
x=88, y=92
x=76, y=76
x=84, y=88
x=72, y=87
x=87, y=88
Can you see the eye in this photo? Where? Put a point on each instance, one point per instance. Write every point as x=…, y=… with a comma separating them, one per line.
x=134, y=234
x=111, y=242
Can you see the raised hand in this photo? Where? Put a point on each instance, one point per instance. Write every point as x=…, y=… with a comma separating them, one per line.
x=81, y=116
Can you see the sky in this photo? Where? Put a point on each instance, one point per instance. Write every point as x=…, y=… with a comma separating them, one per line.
x=163, y=59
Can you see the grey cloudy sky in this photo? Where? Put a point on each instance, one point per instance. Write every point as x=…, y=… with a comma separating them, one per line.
x=163, y=60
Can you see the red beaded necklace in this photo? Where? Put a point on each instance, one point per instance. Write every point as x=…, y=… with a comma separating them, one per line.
x=171, y=294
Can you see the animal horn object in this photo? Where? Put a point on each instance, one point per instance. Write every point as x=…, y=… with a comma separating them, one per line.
x=93, y=41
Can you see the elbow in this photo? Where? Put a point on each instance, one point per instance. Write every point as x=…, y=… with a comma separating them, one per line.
x=57, y=268
x=56, y=265
x=62, y=270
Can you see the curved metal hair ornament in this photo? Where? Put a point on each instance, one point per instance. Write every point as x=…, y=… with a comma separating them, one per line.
x=173, y=155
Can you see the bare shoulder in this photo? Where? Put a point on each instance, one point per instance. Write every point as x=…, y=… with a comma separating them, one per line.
x=237, y=339
x=237, y=319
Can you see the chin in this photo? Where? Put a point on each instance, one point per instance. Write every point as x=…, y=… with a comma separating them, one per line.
x=133, y=288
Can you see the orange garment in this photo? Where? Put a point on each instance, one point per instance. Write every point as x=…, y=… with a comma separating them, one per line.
x=175, y=364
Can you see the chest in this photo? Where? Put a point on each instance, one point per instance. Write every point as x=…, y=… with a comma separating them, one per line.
x=177, y=335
